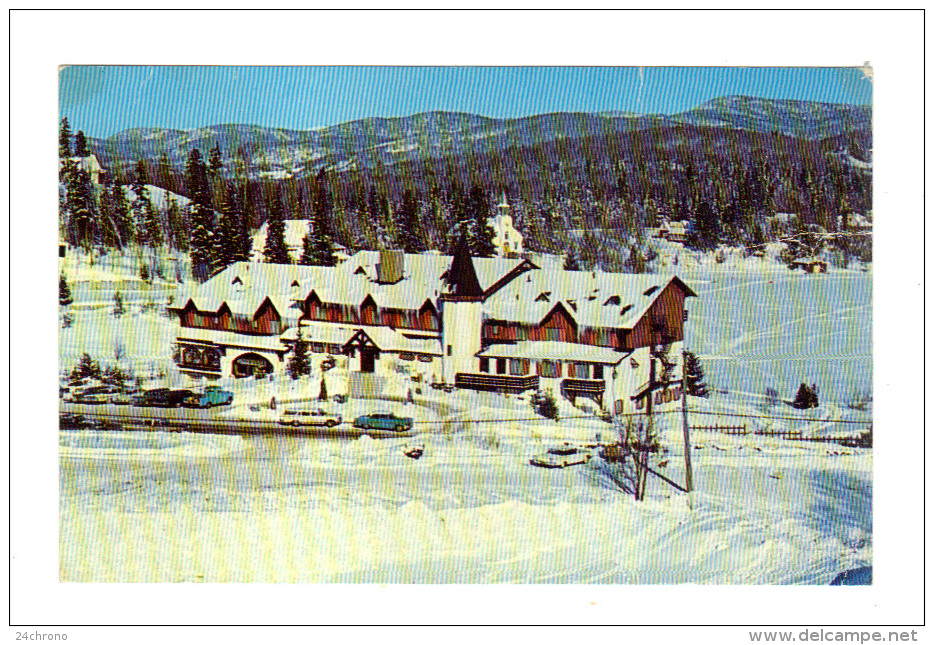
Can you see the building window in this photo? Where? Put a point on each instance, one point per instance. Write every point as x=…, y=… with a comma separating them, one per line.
x=551, y=333
x=582, y=370
x=500, y=365
x=518, y=367
x=450, y=350
x=317, y=348
x=598, y=372
x=551, y=369
x=684, y=315
x=425, y=358
x=406, y=356
x=484, y=365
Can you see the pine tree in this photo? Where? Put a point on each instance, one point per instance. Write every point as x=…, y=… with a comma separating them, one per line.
x=299, y=364
x=64, y=139
x=228, y=245
x=215, y=163
x=82, y=208
x=479, y=205
x=64, y=293
x=202, y=216
x=121, y=212
x=408, y=225
x=152, y=225
x=243, y=244
x=705, y=232
x=142, y=207
x=694, y=376
x=81, y=145
x=175, y=225
x=275, y=251
x=317, y=248
x=87, y=367
x=323, y=392
x=118, y=309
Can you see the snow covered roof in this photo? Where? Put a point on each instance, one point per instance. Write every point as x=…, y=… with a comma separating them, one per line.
x=593, y=299
x=555, y=351
x=268, y=343
x=386, y=339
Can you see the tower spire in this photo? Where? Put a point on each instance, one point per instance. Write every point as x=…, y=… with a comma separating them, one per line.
x=462, y=277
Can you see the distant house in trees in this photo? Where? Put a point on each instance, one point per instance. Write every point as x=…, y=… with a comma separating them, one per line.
x=90, y=165
x=855, y=223
x=506, y=239
x=672, y=231
x=809, y=265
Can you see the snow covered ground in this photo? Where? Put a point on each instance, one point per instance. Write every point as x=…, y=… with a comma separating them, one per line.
x=290, y=509
x=194, y=507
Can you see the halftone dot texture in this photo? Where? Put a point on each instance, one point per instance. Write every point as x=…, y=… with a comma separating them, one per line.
x=166, y=507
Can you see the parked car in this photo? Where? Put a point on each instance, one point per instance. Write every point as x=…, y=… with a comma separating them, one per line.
x=309, y=418
x=176, y=397
x=96, y=394
x=211, y=395
x=383, y=421
x=149, y=398
x=566, y=455
x=339, y=398
x=328, y=363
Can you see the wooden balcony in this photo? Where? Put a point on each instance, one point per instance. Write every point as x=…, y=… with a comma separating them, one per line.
x=588, y=387
x=496, y=382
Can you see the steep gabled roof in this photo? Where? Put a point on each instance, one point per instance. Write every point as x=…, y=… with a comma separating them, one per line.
x=462, y=277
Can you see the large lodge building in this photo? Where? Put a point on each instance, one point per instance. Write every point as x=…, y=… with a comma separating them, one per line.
x=495, y=324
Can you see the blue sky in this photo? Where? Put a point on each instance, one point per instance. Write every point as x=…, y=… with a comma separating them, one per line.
x=102, y=100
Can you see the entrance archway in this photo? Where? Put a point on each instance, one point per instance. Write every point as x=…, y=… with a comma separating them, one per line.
x=251, y=365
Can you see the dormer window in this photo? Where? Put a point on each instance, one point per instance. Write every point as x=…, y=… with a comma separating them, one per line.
x=623, y=311
x=295, y=283
x=544, y=296
x=612, y=300
x=359, y=271
x=237, y=280
x=650, y=291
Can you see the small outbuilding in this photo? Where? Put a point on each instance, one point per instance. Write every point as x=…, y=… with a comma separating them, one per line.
x=809, y=265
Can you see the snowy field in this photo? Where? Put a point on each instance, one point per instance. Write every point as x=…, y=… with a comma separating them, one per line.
x=206, y=508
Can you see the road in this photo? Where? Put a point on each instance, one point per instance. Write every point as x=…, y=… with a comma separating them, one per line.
x=212, y=420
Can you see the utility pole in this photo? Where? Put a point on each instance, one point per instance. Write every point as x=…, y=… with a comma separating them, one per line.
x=688, y=474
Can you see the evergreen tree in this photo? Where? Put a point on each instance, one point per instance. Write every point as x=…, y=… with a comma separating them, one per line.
x=323, y=392
x=81, y=145
x=228, y=242
x=694, y=376
x=64, y=139
x=142, y=206
x=243, y=244
x=202, y=216
x=407, y=224
x=571, y=260
x=806, y=398
x=175, y=225
x=479, y=205
x=317, y=247
x=118, y=309
x=275, y=251
x=705, y=232
x=152, y=225
x=82, y=208
x=121, y=212
x=87, y=367
x=215, y=163
x=64, y=293
x=299, y=364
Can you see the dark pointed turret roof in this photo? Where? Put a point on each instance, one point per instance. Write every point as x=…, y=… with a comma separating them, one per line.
x=462, y=277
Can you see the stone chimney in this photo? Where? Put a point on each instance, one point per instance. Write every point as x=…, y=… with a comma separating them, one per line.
x=391, y=266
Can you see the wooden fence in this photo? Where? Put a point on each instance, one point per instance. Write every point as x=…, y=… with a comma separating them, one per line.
x=734, y=430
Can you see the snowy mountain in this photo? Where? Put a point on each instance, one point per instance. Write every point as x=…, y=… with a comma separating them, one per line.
x=279, y=153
